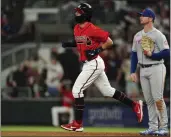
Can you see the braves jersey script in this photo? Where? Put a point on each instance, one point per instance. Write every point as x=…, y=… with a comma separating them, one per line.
x=88, y=38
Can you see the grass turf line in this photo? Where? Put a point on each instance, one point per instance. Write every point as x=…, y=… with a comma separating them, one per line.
x=58, y=129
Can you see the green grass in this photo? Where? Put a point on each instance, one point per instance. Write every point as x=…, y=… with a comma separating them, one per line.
x=58, y=129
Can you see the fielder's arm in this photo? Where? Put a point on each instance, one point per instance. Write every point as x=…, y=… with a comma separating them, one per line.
x=164, y=54
x=134, y=58
x=163, y=45
x=134, y=61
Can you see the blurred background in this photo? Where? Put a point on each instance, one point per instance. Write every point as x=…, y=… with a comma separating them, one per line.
x=38, y=74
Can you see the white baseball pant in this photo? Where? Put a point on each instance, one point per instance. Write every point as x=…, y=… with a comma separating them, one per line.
x=93, y=72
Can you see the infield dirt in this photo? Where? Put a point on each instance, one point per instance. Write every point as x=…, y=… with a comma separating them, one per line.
x=66, y=134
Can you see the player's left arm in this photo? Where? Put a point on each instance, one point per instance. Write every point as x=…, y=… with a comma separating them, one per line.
x=91, y=53
x=164, y=53
x=102, y=37
x=104, y=46
x=107, y=44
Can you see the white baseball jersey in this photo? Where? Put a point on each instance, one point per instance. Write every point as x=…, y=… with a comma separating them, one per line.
x=54, y=74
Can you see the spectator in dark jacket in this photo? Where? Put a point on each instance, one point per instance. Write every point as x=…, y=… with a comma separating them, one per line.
x=19, y=80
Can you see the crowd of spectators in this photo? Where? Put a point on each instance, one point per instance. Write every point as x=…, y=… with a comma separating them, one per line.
x=56, y=77
x=52, y=78
x=39, y=78
x=13, y=27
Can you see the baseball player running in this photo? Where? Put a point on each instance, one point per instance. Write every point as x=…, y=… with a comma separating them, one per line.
x=90, y=41
x=149, y=49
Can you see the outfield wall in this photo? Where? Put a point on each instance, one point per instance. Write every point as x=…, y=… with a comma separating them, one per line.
x=97, y=113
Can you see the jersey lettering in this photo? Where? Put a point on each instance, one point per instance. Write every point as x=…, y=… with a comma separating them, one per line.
x=88, y=38
x=83, y=40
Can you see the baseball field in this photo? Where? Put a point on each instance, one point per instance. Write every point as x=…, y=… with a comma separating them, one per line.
x=35, y=131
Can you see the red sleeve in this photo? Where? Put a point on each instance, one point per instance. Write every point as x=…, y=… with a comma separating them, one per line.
x=99, y=34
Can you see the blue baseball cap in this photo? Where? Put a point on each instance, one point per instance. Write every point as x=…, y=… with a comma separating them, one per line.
x=147, y=13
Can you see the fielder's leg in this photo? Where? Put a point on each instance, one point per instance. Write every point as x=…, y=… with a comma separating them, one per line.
x=104, y=86
x=152, y=110
x=157, y=86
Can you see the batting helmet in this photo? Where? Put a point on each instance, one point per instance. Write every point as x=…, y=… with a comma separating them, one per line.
x=85, y=10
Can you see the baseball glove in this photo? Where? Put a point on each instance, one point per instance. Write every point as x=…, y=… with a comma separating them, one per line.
x=147, y=44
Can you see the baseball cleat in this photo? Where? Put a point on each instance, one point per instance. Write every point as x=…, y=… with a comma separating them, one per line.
x=74, y=126
x=162, y=132
x=149, y=132
x=138, y=109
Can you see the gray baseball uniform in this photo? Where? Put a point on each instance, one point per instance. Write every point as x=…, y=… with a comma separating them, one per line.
x=152, y=78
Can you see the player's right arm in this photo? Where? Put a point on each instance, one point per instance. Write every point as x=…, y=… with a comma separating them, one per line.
x=70, y=44
x=134, y=61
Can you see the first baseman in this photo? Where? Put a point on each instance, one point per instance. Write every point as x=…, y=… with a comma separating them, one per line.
x=149, y=49
x=90, y=41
